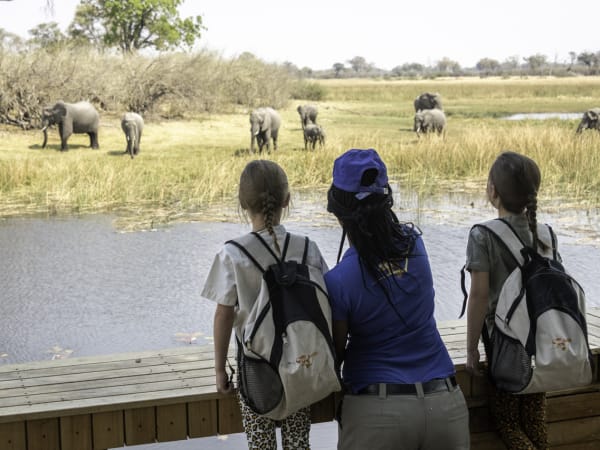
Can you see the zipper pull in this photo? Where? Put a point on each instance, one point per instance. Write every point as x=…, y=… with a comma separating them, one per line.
x=284, y=338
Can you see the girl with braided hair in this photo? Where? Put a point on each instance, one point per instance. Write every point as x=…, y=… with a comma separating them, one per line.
x=400, y=389
x=512, y=188
x=234, y=283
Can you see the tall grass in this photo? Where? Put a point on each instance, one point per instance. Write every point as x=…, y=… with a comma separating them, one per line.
x=186, y=166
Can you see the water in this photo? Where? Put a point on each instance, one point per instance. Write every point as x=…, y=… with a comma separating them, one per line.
x=79, y=286
x=544, y=116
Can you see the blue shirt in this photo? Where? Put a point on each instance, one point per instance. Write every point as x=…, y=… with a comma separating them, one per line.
x=382, y=347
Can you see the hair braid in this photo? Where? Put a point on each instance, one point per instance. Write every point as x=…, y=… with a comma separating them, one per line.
x=531, y=212
x=269, y=205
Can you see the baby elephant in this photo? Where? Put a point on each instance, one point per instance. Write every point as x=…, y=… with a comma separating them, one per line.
x=313, y=134
x=590, y=120
x=430, y=120
x=132, y=125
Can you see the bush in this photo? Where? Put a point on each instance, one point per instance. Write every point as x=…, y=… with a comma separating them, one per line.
x=170, y=84
x=305, y=90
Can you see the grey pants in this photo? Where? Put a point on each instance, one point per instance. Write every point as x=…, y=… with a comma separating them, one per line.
x=437, y=421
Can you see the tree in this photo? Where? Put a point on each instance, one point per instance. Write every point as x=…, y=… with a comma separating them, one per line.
x=359, y=64
x=536, y=62
x=446, y=65
x=131, y=25
x=46, y=35
x=338, y=68
x=487, y=66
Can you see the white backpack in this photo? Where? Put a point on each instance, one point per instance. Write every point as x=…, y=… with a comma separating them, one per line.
x=539, y=340
x=286, y=357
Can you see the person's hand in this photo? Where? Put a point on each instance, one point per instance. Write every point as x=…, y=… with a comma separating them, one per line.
x=472, y=365
x=224, y=386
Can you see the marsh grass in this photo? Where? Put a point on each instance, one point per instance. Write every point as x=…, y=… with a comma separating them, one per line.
x=186, y=167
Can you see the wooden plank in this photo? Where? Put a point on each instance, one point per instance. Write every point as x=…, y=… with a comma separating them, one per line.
x=140, y=426
x=76, y=432
x=229, y=416
x=590, y=445
x=13, y=436
x=573, y=431
x=43, y=434
x=573, y=406
x=202, y=418
x=108, y=430
x=171, y=422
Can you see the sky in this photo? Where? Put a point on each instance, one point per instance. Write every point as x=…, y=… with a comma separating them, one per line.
x=387, y=33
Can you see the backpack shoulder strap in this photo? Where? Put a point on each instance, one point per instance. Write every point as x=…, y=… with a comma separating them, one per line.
x=547, y=237
x=507, y=235
x=247, y=253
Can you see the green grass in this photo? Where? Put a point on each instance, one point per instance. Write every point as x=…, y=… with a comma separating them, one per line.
x=186, y=166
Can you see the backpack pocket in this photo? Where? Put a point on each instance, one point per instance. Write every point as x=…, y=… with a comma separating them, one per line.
x=260, y=385
x=509, y=363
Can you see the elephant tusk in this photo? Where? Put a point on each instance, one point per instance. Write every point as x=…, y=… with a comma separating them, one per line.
x=45, y=128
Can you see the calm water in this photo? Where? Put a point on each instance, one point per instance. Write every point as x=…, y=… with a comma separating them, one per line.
x=79, y=286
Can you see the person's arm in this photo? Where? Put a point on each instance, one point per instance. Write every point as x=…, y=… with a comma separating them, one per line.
x=223, y=323
x=476, y=311
x=340, y=337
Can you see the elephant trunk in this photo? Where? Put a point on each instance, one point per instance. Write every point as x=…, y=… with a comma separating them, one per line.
x=45, y=131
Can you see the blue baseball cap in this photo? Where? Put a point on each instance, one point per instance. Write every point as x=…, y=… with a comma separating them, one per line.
x=348, y=170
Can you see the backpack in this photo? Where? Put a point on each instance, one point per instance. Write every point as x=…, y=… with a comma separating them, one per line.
x=286, y=357
x=539, y=339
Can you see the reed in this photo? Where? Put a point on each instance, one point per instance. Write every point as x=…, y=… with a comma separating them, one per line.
x=186, y=166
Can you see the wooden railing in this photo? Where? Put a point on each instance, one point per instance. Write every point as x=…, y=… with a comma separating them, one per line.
x=102, y=402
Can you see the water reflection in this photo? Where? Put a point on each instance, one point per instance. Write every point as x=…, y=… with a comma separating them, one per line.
x=82, y=286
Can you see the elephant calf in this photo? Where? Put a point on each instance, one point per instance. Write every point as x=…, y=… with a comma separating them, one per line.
x=132, y=125
x=430, y=120
x=590, y=120
x=313, y=134
x=71, y=118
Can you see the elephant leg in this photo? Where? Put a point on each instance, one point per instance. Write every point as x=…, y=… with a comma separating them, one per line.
x=93, y=139
x=63, y=137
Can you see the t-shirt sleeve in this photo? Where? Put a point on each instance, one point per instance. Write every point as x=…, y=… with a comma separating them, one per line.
x=339, y=307
x=478, y=258
x=220, y=285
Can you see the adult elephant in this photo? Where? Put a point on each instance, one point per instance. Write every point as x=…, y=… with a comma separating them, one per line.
x=71, y=118
x=264, y=127
x=429, y=121
x=590, y=120
x=428, y=100
x=308, y=114
x=132, y=125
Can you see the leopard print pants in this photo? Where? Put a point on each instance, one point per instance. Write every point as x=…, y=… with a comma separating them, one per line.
x=520, y=419
x=260, y=431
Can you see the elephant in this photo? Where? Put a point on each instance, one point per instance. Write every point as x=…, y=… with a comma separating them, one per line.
x=312, y=134
x=590, y=120
x=430, y=120
x=264, y=126
x=428, y=100
x=308, y=114
x=71, y=118
x=132, y=125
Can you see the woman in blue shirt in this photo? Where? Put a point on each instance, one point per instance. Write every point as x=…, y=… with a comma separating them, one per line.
x=400, y=387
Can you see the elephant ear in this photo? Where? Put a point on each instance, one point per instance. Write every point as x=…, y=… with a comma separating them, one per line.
x=265, y=121
x=592, y=115
x=60, y=109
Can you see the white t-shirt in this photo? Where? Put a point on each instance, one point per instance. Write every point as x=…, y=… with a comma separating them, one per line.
x=234, y=280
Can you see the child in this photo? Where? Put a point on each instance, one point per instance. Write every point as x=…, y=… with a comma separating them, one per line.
x=234, y=283
x=512, y=189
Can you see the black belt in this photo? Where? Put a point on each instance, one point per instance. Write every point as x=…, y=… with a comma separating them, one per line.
x=429, y=387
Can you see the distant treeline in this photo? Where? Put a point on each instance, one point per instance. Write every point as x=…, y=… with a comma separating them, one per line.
x=185, y=84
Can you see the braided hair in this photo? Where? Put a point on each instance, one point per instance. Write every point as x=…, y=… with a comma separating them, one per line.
x=516, y=179
x=383, y=243
x=264, y=190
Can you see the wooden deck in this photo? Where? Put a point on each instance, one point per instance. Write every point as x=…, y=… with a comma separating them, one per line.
x=96, y=403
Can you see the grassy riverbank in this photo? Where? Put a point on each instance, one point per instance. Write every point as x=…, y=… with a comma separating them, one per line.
x=187, y=166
